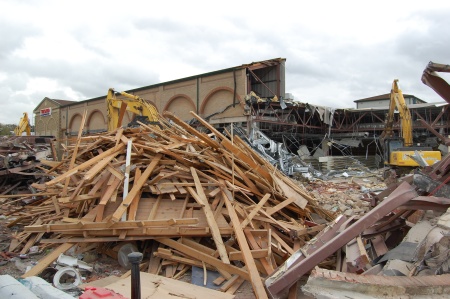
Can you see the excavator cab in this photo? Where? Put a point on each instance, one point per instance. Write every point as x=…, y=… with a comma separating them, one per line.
x=400, y=153
x=397, y=155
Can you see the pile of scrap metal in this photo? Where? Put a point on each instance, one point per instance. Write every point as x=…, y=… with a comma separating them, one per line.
x=20, y=161
x=289, y=163
x=406, y=234
x=275, y=152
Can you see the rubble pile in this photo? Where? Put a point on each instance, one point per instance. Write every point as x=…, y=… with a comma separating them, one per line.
x=20, y=161
x=190, y=200
x=206, y=202
x=405, y=234
x=349, y=196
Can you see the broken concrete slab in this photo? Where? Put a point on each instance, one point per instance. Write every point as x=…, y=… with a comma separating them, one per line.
x=324, y=283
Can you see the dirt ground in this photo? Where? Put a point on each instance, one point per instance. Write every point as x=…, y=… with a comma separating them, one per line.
x=339, y=195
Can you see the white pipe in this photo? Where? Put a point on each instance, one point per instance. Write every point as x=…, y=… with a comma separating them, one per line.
x=127, y=176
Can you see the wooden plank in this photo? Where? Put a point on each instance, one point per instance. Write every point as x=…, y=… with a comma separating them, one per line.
x=100, y=226
x=235, y=286
x=104, y=177
x=229, y=283
x=75, y=151
x=289, y=192
x=255, y=210
x=183, y=260
x=254, y=244
x=136, y=189
x=115, y=172
x=47, y=260
x=255, y=278
x=204, y=257
x=134, y=205
x=55, y=203
x=201, y=198
x=282, y=242
x=154, y=264
x=102, y=164
x=235, y=150
x=191, y=130
x=256, y=253
x=84, y=165
x=280, y=206
x=155, y=207
x=247, y=181
x=159, y=287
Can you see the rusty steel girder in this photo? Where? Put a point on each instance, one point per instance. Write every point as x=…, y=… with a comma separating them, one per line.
x=277, y=282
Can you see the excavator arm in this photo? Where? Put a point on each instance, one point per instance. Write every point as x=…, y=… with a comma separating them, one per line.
x=116, y=108
x=24, y=126
x=398, y=101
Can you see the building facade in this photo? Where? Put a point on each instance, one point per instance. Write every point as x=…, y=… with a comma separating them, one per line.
x=216, y=96
x=383, y=101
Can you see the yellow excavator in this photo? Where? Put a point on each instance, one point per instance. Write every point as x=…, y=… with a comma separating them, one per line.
x=400, y=152
x=144, y=111
x=23, y=126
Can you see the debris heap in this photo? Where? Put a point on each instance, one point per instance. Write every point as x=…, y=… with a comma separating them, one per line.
x=206, y=200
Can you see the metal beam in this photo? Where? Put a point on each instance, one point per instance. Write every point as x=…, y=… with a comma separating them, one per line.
x=404, y=193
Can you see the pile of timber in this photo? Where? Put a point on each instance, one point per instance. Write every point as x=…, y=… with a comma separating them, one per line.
x=206, y=200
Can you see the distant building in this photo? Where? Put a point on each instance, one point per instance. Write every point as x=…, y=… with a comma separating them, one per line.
x=47, y=116
x=218, y=97
x=382, y=101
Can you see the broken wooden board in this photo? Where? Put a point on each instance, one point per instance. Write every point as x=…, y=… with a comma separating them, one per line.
x=159, y=287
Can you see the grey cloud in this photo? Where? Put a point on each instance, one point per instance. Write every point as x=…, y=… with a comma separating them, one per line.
x=13, y=36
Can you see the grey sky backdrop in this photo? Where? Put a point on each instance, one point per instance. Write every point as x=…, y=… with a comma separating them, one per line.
x=337, y=51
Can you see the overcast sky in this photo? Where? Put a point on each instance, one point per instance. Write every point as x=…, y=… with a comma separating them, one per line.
x=337, y=51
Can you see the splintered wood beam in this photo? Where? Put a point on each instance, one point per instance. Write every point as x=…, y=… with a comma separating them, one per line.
x=191, y=130
x=75, y=151
x=255, y=278
x=247, y=181
x=136, y=189
x=280, y=206
x=134, y=205
x=255, y=210
x=204, y=257
x=268, y=268
x=289, y=192
x=91, y=173
x=91, y=226
x=84, y=165
x=201, y=199
x=257, y=253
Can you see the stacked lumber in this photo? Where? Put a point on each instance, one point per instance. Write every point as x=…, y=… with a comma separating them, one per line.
x=205, y=200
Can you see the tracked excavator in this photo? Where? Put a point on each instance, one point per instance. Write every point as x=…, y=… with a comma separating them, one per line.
x=23, y=126
x=144, y=111
x=400, y=153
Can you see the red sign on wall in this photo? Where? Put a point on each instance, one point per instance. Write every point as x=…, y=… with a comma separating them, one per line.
x=46, y=111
